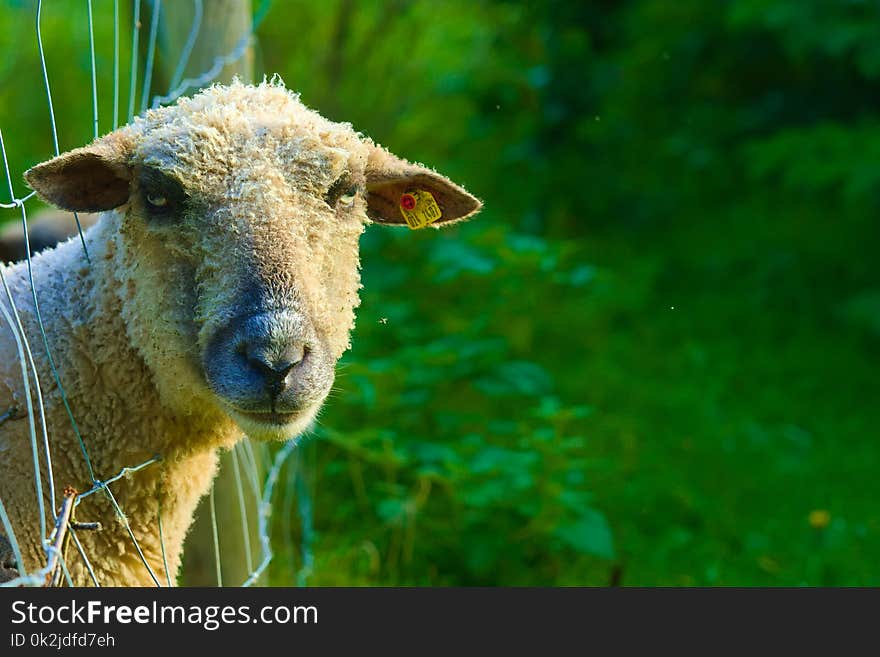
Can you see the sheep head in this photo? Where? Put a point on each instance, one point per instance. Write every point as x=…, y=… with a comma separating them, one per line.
x=236, y=216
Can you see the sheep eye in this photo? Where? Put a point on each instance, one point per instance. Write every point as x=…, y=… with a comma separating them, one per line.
x=348, y=197
x=157, y=201
x=342, y=191
x=163, y=196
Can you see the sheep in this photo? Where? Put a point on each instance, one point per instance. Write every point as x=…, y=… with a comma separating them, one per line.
x=221, y=291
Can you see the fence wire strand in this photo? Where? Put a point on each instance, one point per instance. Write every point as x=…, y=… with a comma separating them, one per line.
x=135, y=33
x=84, y=557
x=242, y=510
x=265, y=510
x=22, y=346
x=38, y=477
x=217, y=568
x=151, y=52
x=162, y=541
x=115, y=64
x=188, y=46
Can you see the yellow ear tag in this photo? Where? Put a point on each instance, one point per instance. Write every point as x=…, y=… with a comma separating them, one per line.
x=419, y=209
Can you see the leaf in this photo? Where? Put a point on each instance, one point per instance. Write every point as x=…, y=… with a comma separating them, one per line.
x=863, y=311
x=589, y=534
x=453, y=258
x=516, y=377
x=391, y=510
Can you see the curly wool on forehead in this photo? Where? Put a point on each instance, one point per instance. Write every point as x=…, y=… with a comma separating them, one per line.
x=229, y=125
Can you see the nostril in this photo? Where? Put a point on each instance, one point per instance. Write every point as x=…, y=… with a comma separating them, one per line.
x=289, y=358
x=283, y=369
x=274, y=364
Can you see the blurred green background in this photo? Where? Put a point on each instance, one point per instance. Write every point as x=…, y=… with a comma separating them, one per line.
x=651, y=360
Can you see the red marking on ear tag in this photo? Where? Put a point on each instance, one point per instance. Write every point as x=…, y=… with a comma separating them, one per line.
x=408, y=201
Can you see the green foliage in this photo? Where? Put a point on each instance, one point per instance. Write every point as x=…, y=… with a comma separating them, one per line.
x=674, y=263
x=479, y=468
x=652, y=354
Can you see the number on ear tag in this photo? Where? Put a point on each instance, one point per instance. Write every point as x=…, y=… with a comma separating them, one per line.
x=419, y=208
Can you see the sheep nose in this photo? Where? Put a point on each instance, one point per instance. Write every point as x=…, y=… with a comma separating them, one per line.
x=274, y=364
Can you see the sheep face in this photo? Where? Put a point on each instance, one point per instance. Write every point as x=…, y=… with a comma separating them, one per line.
x=234, y=248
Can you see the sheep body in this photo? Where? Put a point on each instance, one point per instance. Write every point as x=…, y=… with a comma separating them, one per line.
x=164, y=342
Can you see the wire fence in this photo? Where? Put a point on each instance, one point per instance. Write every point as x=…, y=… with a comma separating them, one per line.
x=256, y=470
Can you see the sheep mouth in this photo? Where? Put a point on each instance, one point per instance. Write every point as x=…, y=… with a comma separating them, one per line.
x=272, y=418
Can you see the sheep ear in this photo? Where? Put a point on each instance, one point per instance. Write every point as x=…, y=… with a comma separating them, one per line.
x=399, y=192
x=90, y=179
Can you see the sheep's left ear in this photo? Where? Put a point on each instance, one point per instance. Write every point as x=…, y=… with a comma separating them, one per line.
x=399, y=192
x=89, y=179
